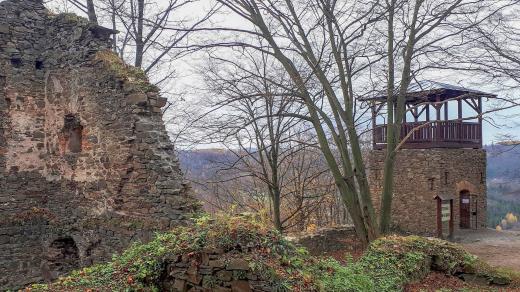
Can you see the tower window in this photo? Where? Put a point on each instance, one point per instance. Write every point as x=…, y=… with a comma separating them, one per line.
x=432, y=180
x=446, y=177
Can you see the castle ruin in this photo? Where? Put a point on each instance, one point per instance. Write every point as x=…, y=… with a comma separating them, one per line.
x=86, y=165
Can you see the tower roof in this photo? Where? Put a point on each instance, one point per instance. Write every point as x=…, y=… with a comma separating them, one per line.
x=427, y=90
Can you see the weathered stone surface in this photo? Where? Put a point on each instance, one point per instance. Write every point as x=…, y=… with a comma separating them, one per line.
x=240, y=286
x=237, y=264
x=4, y=28
x=86, y=165
x=192, y=275
x=217, y=263
x=137, y=98
x=422, y=174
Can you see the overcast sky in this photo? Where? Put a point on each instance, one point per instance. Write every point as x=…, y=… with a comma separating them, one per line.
x=505, y=122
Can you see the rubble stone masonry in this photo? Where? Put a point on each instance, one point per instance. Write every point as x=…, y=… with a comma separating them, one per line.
x=86, y=165
x=422, y=174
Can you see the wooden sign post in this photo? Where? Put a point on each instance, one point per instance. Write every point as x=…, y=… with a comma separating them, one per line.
x=444, y=216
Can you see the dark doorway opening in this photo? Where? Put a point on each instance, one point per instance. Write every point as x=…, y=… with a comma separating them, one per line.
x=73, y=130
x=465, y=210
x=16, y=62
x=38, y=65
x=63, y=255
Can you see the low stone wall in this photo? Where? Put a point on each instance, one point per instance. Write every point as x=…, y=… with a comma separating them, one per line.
x=212, y=270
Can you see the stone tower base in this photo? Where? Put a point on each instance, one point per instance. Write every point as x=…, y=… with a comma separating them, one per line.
x=423, y=178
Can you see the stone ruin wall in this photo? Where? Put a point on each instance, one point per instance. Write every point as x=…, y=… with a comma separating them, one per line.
x=86, y=165
x=420, y=175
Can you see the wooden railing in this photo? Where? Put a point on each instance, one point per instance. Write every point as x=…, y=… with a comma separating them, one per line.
x=438, y=134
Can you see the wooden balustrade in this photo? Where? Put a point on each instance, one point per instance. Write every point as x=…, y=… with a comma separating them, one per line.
x=438, y=134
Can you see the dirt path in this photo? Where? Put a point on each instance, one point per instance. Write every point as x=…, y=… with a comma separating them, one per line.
x=498, y=248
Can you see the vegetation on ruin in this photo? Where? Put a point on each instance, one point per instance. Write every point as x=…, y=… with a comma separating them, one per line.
x=134, y=77
x=71, y=18
x=387, y=265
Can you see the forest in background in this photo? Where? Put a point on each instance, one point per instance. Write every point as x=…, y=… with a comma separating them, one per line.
x=503, y=182
x=207, y=170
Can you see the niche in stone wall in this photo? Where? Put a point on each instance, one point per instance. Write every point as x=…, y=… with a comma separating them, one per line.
x=63, y=255
x=72, y=133
x=16, y=61
x=38, y=64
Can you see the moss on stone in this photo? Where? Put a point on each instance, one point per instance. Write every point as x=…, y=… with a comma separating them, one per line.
x=71, y=18
x=135, y=77
x=387, y=265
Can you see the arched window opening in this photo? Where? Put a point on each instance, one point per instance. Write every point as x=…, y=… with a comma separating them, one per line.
x=73, y=130
x=63, y=255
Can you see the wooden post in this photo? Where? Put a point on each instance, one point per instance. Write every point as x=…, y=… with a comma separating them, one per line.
x=451, y=219
x=446, y=111
x=459, y=105
x=429, y=133
x=480, y=119
x=373, y=107
x=439, y=217
x=438, y=117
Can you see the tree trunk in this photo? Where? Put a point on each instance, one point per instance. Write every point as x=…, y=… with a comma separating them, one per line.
x=139, y=43
x=394, y=129
x=386, y=196
x=92, y=17
x=114, y=26
x=276, y=210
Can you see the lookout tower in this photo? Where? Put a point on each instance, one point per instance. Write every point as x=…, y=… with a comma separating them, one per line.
x=440, y=169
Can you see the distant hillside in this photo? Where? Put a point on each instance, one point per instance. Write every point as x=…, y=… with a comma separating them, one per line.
x=201, y=164
x=503, y=175
x=503, y=162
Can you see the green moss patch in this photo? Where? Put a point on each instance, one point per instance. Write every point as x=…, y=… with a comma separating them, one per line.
x=135, y=78
x=387, y=265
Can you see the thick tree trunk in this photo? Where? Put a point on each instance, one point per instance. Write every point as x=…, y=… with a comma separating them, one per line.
x=386, y=196
x=276, y=211
x=92, y=17
x=395, y=121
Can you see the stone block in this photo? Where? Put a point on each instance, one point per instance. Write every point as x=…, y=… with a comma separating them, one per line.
x=237, y=264
x=4, y=29
x=240, y=286
x=217, y=263
x=137, y=98
x=161, y=101
x=180, y=285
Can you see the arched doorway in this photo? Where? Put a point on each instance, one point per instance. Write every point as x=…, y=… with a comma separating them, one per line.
x=63, y=255
x=465, y=209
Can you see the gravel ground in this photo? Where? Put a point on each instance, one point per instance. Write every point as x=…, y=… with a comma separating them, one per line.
x=498, y=248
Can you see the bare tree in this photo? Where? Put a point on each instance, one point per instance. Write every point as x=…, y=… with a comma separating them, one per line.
x=489, y=54
x=273, y=149
x=151, y=34
x=335, y=48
